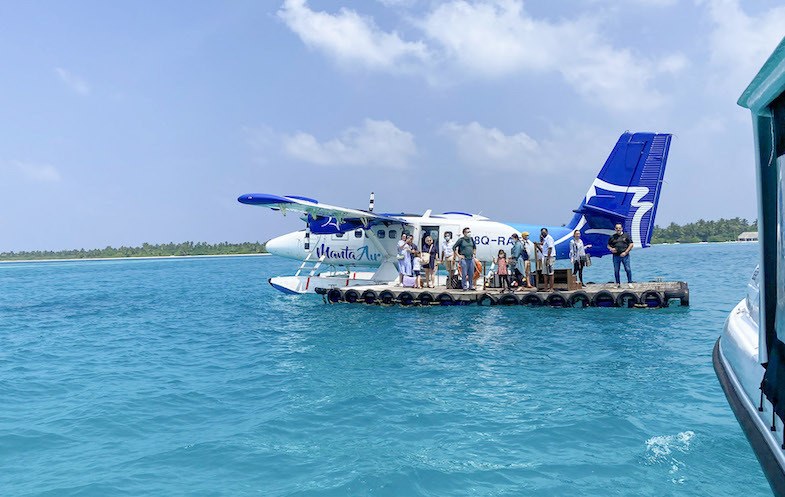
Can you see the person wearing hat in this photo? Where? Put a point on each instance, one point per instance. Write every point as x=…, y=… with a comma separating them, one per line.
x=528, y=247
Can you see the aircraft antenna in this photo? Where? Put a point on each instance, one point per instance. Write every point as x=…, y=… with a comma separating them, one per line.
x=370, y=203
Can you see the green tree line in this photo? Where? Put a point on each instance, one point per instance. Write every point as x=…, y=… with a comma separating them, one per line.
x=721, y=230
x=146, y=250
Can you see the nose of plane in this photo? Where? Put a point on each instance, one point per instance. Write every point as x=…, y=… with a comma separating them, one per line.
x=284, y=245
x=276, y=245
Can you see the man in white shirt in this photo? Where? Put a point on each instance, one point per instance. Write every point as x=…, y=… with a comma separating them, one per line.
x=548, y=257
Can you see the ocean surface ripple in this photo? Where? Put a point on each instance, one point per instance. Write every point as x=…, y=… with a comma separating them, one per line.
x=195, y=377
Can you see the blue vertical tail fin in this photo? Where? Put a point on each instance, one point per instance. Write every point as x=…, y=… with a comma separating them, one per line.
x=625, y=191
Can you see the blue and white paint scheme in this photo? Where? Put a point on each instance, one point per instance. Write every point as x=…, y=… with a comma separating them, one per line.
x=625, y=191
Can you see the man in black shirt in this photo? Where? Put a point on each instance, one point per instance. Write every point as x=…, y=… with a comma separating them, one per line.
x=620, y=245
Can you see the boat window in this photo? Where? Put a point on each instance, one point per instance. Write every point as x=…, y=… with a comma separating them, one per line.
x=358, y=233
x=338, y=235
x=380, y=234
x=393, y=234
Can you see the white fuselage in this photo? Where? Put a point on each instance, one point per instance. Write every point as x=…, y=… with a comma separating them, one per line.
x=378, y=244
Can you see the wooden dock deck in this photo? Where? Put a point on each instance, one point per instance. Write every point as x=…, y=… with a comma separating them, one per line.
x=647, y=294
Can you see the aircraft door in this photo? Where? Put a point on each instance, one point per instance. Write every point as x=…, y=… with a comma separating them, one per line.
x=433, y=231
x=437, y=233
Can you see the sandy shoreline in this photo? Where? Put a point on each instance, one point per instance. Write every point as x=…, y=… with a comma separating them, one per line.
x=132, y=258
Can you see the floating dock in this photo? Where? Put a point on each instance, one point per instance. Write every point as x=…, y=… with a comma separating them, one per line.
x=650, y=294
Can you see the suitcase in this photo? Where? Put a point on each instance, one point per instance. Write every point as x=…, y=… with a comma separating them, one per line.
x=409, y=281
x=455, y=281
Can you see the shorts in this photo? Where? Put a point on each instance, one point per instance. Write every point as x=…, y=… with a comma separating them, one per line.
x=417, y=272
x=547, y=265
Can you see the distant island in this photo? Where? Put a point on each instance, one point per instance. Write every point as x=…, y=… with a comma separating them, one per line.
x=722, y=230
x=146, y=250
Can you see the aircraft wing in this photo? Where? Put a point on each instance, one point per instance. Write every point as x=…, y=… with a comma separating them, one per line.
x=321, y=218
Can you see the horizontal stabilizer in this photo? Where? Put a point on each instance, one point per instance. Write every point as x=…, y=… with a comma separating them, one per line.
x=599, y=211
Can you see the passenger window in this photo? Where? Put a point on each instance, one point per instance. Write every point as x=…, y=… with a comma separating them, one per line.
x=392, y=234
x=380, y=234
x=338, y=235
x=358, y=233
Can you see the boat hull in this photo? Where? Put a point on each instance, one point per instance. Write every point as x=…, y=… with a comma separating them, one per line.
x=735, y=360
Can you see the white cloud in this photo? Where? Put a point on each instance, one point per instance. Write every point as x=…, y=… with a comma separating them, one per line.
x=350, y=38
x=741, y=43
x=376, y=144
x=491, y=148
x=674, y=63
x=490, y=39
x=397, y=3
x=45, y=173
x=498, y=38
x=565, y=149
x=657, y=3
x=74, y=82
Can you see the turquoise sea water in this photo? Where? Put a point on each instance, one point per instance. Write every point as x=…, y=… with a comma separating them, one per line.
x=195, y=377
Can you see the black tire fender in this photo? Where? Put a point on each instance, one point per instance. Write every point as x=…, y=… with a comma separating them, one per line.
x=509, y=299
x=580, y=299
x=369, y=296
x=556, y=299
x=351, y=296
x=652, y=298
x=626, y=299
x=486, y=300
x=425, y=298
x=405, y=298
x=532, y=299
x=445, y=299
x=386, y=297
x=334, y=295
x=603, y=298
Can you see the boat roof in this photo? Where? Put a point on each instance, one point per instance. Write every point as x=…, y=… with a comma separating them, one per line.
x=768, y=84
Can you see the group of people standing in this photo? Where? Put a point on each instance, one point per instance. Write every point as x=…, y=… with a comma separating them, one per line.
x=513, y=271
x=413, y=261
x=518, y=267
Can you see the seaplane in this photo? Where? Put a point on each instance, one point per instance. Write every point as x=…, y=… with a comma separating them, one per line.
x=337, y=241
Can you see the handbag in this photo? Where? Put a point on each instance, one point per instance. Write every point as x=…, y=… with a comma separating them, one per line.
x=425, y=258
x=588, y=260
x=400, y=257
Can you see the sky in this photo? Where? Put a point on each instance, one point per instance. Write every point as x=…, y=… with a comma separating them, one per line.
x=132, y=122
